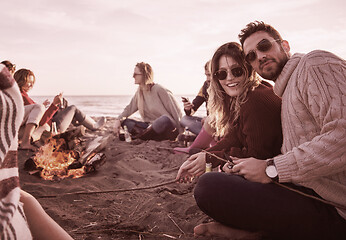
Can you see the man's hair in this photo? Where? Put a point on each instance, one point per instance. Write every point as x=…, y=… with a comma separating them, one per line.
x=22, y=77
x=147, y=72
x=256, y=27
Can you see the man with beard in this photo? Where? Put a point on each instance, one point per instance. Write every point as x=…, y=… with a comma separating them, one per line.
x=313, y=160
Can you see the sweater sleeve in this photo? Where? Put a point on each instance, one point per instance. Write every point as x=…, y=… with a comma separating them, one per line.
x=170, y=104
x=219, y=149
x=322, y=138
x=131, y=108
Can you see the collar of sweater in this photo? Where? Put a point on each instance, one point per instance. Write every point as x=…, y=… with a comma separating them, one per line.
x=286, y=73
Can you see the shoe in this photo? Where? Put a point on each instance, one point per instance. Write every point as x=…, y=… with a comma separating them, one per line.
x=100, y=123
x=179, y=150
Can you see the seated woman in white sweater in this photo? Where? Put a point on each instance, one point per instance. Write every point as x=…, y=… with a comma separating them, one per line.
x=157, y=107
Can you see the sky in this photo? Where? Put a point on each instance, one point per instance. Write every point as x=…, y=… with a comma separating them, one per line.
x=90, y=47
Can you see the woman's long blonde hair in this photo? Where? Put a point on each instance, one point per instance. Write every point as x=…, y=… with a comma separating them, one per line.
x=224, y=110
x=148, y=78
x=148, y=75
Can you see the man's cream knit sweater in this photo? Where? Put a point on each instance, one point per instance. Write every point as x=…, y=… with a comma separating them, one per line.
x=313, y=91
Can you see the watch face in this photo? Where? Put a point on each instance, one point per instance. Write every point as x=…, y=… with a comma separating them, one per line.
x=271, y=171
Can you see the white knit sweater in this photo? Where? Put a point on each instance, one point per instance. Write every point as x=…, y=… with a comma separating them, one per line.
x=153, y=104
x=313, y=91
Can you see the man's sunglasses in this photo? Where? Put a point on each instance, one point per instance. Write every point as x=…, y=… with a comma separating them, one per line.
x=263, y=46
x=222, y=74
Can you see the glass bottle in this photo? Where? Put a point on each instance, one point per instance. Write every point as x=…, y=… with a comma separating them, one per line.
x=54, y=130
x=127, y=134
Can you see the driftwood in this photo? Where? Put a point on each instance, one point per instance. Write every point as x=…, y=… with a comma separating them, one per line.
x=69, y=136
x=94, y=147
x=86, y=154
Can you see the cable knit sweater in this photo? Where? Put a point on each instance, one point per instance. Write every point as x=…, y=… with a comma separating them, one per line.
x=152, y=104
x=313, y=88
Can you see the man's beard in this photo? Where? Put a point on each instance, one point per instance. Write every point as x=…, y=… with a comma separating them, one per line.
x=273, y=75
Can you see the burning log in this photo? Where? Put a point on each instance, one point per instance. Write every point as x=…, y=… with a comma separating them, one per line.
x=69, y=136
x=60, y=157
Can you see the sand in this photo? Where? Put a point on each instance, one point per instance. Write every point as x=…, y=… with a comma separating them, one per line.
x=164, y=212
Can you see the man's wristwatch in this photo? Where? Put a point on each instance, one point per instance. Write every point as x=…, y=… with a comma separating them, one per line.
x=271, y=171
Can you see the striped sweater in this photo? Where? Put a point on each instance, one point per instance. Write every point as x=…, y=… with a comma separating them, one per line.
x=313, y=91
x=13, y=224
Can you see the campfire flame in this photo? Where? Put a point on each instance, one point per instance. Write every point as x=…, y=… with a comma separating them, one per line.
x=54, y=161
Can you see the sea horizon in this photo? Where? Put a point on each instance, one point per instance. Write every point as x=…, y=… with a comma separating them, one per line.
x=108, y=105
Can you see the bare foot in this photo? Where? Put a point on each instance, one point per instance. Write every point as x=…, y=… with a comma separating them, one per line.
x=218, y=230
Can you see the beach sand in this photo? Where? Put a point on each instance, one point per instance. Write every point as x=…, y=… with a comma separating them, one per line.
x=164, y=212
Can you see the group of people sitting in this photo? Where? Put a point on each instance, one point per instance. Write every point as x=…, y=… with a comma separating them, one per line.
x=39, y=117
x=280, y=151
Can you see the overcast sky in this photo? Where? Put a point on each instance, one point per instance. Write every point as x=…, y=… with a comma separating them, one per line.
x=90, y=47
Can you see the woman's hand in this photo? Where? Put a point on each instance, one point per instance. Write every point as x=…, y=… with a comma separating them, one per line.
x=194, y=166
x=58, y=100
x=188, y=105
x=117, y=127
x=227, y=167
x=251, y=168
x=46, y=103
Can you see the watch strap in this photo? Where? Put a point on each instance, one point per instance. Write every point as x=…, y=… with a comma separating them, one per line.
x=270, y=162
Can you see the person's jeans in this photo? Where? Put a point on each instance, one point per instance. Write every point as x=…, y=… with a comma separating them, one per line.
x=193, y=123
x=269, y=208
x=160, y=125
x=33, y=114
x=134, y=126
x=163, y=124
x=65, y=116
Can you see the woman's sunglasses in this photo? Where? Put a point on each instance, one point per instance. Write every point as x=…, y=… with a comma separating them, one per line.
x=263, y=46
x=222, y=74
x=136, y=74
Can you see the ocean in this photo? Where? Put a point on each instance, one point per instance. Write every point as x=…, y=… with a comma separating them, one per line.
x=109, y=106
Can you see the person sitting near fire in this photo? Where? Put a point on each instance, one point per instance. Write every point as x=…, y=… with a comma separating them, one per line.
x=57, y=111
x=32, y=115
x=157, y=107
x=21, y=215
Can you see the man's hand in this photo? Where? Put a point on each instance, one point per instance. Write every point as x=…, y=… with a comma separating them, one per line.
x=194, y=166
x=251, y=168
